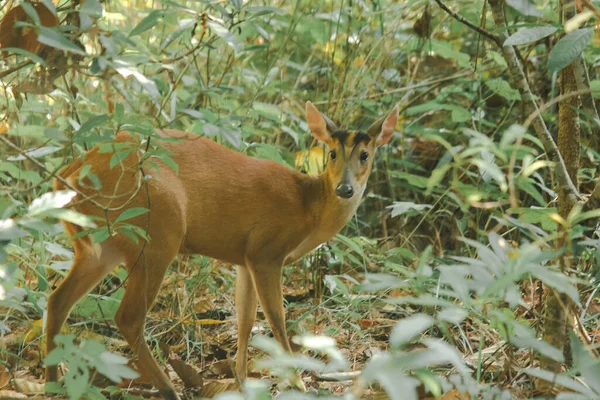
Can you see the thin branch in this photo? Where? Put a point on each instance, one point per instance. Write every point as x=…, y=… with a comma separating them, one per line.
x=471, y=25
x=43, y=167
x=531, y=107
x=400, y=89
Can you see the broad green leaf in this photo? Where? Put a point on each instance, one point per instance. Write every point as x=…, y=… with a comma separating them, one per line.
x=525, y=7
x=454, y=315
x=14, y=50
x=261, y=10
x=436, y=176
x=151, y=20
x=36, y=153
x=561, y=380
x=70, y=216
x=55, y=357
x=503, y=88
x=529, y=35
x=31, y=13
x=415, y=180
x=50, y=200
x=445, y=50
x=88, y=10
x=460, y=114
x=270, y=111
x=556, y=280
x=588, y=366
x=131, y=213
x=100, y=234
x=224, y=34
x=568, y=49
x=402, y=207
x=53, y=38
x=92, y=123
x=10, y=231
x=406, y=329
x=118, y=157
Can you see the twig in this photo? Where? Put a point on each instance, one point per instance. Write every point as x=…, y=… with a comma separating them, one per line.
x=531, y=107
x=471, y=25
x=398, y=90
x=43, y=167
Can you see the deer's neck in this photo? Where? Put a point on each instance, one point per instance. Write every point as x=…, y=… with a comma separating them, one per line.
x=328, y=211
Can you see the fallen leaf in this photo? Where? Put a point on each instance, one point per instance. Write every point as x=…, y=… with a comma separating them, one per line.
x=187, y=373
x=207, y=321
x=213, y=388
x=11, y=395
x=222, y=368
x=28, y=387
x=203, y=305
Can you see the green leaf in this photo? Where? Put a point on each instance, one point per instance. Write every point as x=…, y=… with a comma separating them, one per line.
x=503, y=88
x=49, y=201
x=53, y=38
x=35, y=58
x=31, y=13
x=70, y=216
x=403, y=207
x=351, y=244
x=436, y=176
x=118, y=157
x=10, y=231
x=55, y=356
x=529, y=35
x=92, y=123
x=406, y=329
x=76, y=380
x=415, y=180
x=100, y=234
x=89, y=9
x=568, y=49
x=561, y=380
x=445, y=50
x=224, y=34
x=460, y=114
x=525, y=7
x=131, y=213
x=151, y=20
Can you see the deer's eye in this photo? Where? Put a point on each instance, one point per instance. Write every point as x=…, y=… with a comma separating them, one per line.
x=364, y=156
x=332, y=154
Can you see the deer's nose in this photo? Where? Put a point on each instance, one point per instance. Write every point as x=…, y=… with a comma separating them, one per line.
x=344, y=190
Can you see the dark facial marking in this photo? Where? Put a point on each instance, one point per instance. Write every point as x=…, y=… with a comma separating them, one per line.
x=361, y=137
x=341, y=136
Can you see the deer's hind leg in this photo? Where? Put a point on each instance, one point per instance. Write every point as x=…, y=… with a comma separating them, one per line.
x=91, y=264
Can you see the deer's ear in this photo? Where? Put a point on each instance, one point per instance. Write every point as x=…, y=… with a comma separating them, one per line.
x=320, y=126
x=383, y=129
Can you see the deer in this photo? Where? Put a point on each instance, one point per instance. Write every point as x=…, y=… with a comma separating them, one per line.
x=252, y=213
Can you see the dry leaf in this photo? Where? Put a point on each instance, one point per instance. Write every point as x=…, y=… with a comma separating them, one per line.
x=187, y=373
x=213, y=388
x=203, y=305
x=4, y=378
x=222, y=368
x=29, y=387
x=11, y=395
x=208, y=321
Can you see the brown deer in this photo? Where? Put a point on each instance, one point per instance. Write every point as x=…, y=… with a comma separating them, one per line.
x=256, y=214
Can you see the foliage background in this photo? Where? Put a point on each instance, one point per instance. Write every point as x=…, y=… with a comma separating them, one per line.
x=436, y=286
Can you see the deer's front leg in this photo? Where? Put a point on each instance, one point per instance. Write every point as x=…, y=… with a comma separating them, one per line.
x=245, y=308
x=267, y=281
